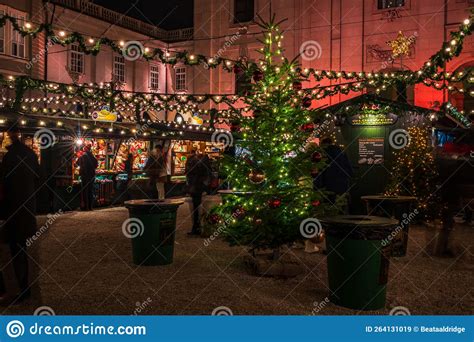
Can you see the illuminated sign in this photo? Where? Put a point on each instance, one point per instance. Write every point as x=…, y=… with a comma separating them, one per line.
x=373, y=119
x=104, y=115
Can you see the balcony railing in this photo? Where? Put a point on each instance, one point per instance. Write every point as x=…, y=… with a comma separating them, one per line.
x=99, y=12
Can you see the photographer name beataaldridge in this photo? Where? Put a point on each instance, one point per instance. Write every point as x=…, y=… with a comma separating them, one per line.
x=443, y=329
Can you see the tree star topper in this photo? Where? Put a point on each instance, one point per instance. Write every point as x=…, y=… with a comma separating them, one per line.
x=401, y=46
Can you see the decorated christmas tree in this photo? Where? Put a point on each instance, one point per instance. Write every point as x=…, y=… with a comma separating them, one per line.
x=275, y=159
x=414, y=172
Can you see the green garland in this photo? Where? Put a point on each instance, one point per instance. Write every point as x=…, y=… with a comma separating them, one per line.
x=428, y=74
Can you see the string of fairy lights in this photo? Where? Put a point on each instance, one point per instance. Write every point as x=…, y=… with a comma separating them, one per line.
x=93, y=45
x=88, y=96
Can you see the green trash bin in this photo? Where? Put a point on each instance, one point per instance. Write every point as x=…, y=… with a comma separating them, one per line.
x=357, y=260
x=152, y=227
x=400, y=208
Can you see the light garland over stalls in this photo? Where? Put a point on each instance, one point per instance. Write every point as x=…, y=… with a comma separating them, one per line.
x=91, y=45
x=105, y=93
x=146, y=129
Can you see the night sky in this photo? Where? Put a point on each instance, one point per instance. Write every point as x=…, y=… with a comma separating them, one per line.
x=167, y=14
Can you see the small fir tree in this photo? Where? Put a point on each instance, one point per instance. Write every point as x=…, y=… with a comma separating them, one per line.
x=414, y=173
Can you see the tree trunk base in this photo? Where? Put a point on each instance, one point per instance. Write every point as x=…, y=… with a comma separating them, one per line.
x=264, y=265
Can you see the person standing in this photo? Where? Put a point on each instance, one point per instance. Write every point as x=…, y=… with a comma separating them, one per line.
x=155, y=168
x=197, y=176
x=19, y=174
x=336, y=177
x=87, y=165
x=128, y=169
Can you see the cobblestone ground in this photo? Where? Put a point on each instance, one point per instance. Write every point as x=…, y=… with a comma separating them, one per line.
x=85, y=267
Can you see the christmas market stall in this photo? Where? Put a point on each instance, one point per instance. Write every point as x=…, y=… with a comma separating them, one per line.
x=370, y=128
x=59, y=142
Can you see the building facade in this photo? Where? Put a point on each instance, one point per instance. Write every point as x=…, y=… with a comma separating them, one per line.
x=348, y=35
x=66, y=64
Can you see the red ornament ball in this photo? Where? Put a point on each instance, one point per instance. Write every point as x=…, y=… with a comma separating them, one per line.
x=316, y=157
x=235, y=127
x=316, y=203
x=314, y=173
x=238, y=69
x=239, y=213
x=308, y=127
x=307, y=102
x=256, y=177
x=214, y=219
x=274, y=203
x=297, y=85
x=257, y=75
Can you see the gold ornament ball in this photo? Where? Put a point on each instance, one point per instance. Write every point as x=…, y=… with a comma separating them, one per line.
x=256, y=177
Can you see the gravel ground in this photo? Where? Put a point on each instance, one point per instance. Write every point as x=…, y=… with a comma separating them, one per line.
x=86, y=268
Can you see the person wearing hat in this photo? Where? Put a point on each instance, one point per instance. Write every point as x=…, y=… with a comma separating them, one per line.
x=19, y=174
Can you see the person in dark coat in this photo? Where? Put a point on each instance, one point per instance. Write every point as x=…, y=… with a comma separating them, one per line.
x=155, y=168
x=197, y=178
x=336, y=177
x=19, y=174
x=87, y=165
x=128, y=169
